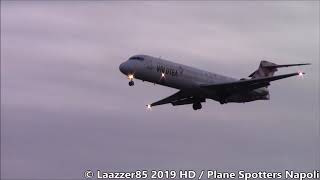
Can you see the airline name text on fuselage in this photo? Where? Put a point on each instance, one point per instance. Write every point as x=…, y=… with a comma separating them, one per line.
x=167, y=70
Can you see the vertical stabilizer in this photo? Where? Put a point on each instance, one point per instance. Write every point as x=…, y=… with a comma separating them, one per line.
x=266, y=69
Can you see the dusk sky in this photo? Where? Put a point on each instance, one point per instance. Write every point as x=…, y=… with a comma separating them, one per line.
x=66, y=108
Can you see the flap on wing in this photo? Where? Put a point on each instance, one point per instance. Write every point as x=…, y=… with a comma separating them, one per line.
x=248, y=84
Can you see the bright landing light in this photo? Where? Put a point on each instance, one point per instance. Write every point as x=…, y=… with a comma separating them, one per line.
x=162, y=75
x=130, y=76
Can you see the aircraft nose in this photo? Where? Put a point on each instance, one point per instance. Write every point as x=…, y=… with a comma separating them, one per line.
x=122, y=68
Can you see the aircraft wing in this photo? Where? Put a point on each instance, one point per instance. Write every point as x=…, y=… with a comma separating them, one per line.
x=246, y=85
x=178, y=96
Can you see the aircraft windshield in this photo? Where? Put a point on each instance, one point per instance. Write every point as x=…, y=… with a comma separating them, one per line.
x=137, y=58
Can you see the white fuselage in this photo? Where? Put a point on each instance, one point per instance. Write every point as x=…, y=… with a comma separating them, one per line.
x=174, y=75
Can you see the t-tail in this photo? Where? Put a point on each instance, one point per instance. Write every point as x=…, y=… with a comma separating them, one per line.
x=267, y=69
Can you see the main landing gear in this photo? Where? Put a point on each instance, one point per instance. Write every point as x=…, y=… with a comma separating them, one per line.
x=131, y=83
x=196, y=106
x=222, y=101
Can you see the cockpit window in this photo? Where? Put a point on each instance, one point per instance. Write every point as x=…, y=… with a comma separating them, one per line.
x=137, y=58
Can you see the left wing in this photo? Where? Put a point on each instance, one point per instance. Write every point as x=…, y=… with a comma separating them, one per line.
x=249, y=84
x=179, y=98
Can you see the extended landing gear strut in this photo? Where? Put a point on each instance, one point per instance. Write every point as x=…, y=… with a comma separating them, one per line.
x=196, y=106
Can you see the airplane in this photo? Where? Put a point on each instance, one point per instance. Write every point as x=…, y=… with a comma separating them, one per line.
x=195, y=86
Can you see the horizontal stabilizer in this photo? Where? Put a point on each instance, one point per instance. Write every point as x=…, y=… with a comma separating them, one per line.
x=249, y=84
x=267, y=69
x=285, y=65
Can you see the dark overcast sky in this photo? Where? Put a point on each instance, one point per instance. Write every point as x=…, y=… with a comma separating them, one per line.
x=65, y=107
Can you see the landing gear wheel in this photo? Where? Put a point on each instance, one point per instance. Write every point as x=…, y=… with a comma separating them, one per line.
x=222, y=101
x=131, y=83
x=196, y=106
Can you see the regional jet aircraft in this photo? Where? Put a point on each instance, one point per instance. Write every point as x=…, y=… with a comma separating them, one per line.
x=195, y=85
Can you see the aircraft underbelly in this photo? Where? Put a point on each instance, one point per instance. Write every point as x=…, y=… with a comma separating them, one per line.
x=259, y=94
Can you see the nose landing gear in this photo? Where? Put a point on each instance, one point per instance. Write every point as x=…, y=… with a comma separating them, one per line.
x=196, y=106
x=130, y=77
x=131, y=83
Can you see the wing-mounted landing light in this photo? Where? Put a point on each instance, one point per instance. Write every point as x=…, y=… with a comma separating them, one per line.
x=149, y=107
